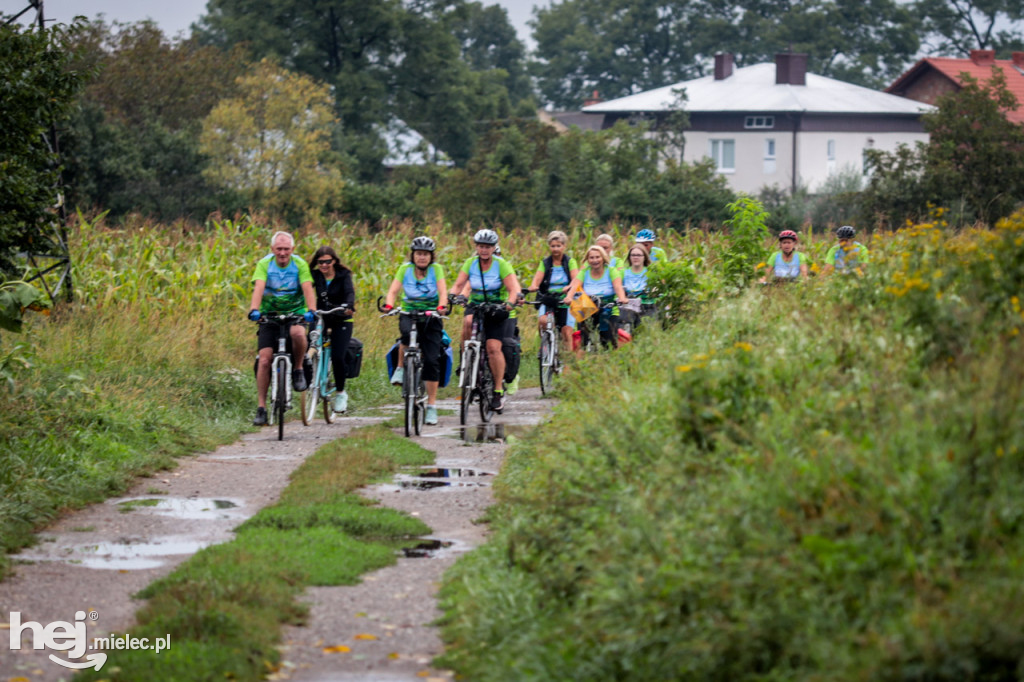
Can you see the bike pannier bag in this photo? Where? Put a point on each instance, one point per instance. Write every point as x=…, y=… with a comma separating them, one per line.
x=512, y=350
x=582, y=308
x=392, y=359
x=353, y=358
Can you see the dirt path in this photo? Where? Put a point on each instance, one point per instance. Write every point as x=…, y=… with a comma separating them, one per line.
x=95, y=559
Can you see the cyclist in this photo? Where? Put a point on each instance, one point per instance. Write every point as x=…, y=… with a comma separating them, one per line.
x=492, y=279
x=604, y=285
x=646, y=239
x=786, y=264
x=421, y=282
x=606, y=242
x=634, y=283
x=333, y=284
x=282, y=284
x=551, y=279
x=848, y=255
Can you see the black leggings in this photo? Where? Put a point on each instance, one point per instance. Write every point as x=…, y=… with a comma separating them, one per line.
x=429, y=336
x=339, y=334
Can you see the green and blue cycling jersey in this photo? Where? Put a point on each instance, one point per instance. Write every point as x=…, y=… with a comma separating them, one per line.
x=848, y=258
x=657, y=254
x=779, y=268
x=602, y=290
x=488, y=286
x=283, y=292
x=635, y=285
x=559, y=277
x=420, y=294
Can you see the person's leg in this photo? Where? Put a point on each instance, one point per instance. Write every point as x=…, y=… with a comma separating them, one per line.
x=265, y=355
x=431, y=349
x=298, y=333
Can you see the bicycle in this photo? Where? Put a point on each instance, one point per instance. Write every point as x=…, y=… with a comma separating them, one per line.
x=475, y=378
x=548, y=358
x=321, y=388
x=280, y=390
x=414, y=392
x=596, y=321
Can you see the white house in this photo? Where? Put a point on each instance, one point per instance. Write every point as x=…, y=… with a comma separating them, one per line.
x=776, y=124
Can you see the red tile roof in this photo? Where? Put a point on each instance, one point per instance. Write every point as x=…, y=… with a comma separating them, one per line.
x=979, y=66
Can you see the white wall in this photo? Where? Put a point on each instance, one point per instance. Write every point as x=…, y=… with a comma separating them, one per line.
x=751, y=171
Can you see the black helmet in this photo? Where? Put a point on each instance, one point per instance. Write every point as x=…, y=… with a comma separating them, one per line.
x=486, y=237
x=846, y=232
x=423, y=244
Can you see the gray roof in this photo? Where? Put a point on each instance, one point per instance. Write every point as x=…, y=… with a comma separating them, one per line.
x=753, y=89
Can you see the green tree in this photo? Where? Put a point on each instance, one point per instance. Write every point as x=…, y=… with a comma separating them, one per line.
x=385, y=59
x=133, y=145
x=37, y=91
x=955, y=27
x=270, y=142
x=620, y=47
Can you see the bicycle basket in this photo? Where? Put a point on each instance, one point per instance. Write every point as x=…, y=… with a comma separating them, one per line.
x=582, y=307
x=633, y=305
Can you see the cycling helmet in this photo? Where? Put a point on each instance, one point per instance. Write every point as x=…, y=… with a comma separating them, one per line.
x=486, y=237
x=645, y=236
x=423, y=244
x=845, y=232
x=787, y=234
x=497, y=250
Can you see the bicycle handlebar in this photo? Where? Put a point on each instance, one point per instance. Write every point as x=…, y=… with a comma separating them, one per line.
x=280, y=318
x=323, y=313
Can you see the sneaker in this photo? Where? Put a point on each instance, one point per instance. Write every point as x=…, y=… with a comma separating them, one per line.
x=431, y=416
x=261, y=417
x=340, y=402
x=299, y=380
x=497, y=401
x=512, y=387
x=398, y=376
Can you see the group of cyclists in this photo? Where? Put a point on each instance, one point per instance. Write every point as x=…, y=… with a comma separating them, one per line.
x=486, y=284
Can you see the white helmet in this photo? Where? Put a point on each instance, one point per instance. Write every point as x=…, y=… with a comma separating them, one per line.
x=486, y=237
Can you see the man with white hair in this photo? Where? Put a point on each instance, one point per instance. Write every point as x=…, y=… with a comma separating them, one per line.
x=282, y=285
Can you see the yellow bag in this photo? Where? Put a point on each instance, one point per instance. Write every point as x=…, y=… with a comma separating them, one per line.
x=582, y=307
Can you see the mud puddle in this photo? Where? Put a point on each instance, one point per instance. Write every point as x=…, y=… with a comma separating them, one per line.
x=191, y=508
x=120, y=555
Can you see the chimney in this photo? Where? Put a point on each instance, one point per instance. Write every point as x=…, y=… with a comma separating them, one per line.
x=790, y=68
x=1018, y=60
x=983, y=57
x=723, y=66
x=593, y=99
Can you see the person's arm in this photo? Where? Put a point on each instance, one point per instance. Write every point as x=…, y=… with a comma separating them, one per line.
x=511, y=283
x=442, y=290
x=570, y=291
x=389, y=298
x=348, y=292
x=538, y=277
x=309, y=293
x=620, y=293
x=460, y=282
x=259, y=287
x=803, y=269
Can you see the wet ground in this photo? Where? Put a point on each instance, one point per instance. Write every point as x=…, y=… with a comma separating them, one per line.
x=94, y=560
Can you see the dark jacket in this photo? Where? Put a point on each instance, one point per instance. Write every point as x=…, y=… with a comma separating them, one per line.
x=341, y=290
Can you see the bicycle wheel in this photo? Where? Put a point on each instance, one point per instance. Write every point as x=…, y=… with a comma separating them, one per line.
x=485, y=387
x=468, y=360
x=281, y=400
x=409, y=394
x=421, y=399
x=547, y=362
x=310, y=398
x=327, y=385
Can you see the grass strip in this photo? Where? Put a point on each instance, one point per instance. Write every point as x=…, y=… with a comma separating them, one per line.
x=224, y=607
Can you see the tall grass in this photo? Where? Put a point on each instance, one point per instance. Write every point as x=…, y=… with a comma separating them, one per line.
x=818, y=482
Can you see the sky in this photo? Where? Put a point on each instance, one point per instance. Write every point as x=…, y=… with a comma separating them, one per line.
x=176, y=16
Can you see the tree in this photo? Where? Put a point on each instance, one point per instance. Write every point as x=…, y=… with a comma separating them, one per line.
x=955, y=27
x=133, y=145
x=37, y=92
x=386, y=59
x=620, y=47
x=269, y=143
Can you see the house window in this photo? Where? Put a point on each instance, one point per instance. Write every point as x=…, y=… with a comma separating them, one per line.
x=830, y=153
x=769, y=156
x=759, y=122
x=723, y=153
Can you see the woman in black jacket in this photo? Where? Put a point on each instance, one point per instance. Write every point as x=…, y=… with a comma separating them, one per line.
x=333, y=283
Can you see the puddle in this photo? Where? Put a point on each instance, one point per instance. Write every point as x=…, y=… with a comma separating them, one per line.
x=426, y=549
x=433, y=548
x=435, y=477
x=197, y=508
x=123, y=556
x=489, y=433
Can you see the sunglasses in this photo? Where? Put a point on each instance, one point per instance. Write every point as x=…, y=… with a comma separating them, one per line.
x=326, y=261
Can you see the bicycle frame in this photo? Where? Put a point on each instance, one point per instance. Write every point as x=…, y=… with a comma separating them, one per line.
x=280, y=371
x=414, y=395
